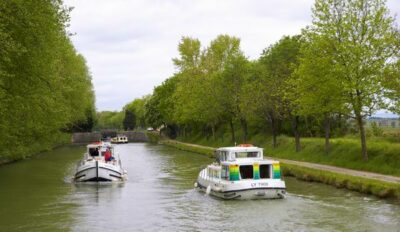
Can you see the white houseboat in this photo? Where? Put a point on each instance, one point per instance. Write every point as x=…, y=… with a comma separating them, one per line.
x=100, y=163
x=242, y=173
x=120, y=139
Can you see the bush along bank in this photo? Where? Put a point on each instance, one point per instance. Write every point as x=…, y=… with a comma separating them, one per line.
x=378, y=188
x=14, y=154
x=153, y=137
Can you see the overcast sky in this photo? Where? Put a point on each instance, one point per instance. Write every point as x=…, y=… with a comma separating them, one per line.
x=129, y=44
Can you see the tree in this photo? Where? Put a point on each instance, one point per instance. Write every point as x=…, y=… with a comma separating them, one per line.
x=160, y=107
x=231, y=92
x=223, y=65
x=259, y=98
x=362, y=42
x=129, y=122
x=109, y=120
x=319, y=92
x=279, y=62
x=137, y=106
x=45, y=85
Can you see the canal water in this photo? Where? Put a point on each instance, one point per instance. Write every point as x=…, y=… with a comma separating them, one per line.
x=38, y=195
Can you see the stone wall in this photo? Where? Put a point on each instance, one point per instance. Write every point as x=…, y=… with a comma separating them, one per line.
x=134, y=136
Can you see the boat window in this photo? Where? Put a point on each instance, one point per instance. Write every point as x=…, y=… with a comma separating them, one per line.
x=222, y=155
x=246, y=171
x=247, y=154
x=265, y=171
x=216, y=174
x=225, y=172
x=93, y=151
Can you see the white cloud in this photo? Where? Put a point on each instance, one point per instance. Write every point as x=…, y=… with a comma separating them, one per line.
x=129, y=44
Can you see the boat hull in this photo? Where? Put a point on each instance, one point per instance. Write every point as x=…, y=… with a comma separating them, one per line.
x=246, y=194
x=267, y=188
x=96, y=171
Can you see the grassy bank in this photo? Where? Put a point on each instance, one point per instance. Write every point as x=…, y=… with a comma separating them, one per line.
x=384, y=153
x=19, y=152
x=359, y=184
x=192, y=148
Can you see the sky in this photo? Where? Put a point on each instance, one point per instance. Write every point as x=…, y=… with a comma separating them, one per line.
x=129, y=44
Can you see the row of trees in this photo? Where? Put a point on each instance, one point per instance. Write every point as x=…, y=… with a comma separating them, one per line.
x=345, y=65
x=131, y=117
x=45, y=85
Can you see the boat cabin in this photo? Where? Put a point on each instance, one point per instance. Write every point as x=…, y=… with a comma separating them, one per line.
x=241, y=153
x=120, y=139
x=243, y=162
x=98, y=149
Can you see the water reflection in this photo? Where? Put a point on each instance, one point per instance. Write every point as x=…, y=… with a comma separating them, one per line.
x=33, y=195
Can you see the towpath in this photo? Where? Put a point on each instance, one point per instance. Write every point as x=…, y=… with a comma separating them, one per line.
x=351, y=172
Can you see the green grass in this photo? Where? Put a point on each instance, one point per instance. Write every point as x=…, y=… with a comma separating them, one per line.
x=384, y=154
x=184, y=147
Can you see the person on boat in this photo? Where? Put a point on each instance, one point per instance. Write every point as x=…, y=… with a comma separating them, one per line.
x=107, y=155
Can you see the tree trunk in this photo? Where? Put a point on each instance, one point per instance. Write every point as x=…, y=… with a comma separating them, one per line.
x=309, y=131
x=213, y=132
x=244, y=127
x=295, y=124
x=232, y=131
x=360, y=125
x=327, y=125
x=273, y=129
x=340, y=124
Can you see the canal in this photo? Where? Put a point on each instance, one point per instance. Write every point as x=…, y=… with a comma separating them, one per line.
x=37, y=195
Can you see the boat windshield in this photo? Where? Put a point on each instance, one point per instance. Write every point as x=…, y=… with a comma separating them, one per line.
x=94, y=151
x=247, y=154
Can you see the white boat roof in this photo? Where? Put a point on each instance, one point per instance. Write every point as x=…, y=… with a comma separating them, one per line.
x=250, y=161
x=94, y=145
x=239, y=149
x=99, y=144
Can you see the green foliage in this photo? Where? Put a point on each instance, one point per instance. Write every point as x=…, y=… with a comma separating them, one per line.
x=45, y=86
x=160, y=107
x=108, y=120
x=138, y=107
x=376, y=130
x=353, y=47
x=153, y=137
x=129, y=122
